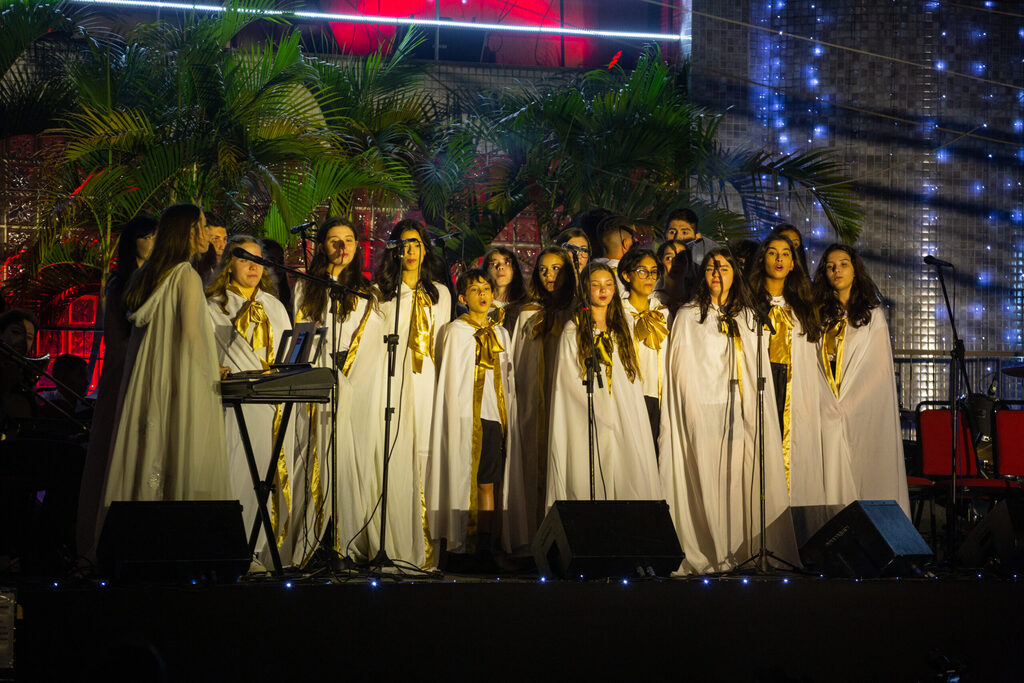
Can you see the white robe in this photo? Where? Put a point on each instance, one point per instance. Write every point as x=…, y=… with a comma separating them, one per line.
x=625, y=467
x=169, y=443
x=860, y=429
x=233, y=351
x=652, y=361
x=449, y=480
x=533, y=359
x=709, y=468
x=359, y=429
x=412, y=396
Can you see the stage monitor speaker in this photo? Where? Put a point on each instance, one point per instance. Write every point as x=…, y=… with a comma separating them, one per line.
x=998, y=536
x=868, y=538
x=605, y=538
x=174, y=541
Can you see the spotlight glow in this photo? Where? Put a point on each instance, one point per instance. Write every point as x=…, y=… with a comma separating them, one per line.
x=400, y=21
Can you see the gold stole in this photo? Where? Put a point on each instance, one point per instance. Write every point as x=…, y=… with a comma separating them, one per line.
x=254, y=315
x=832, y=344
x=723, y=327
x=496, y=314
x=421, y=330
x=605, y=347
x=780, y=350
x=488, y=357
x=651, y=330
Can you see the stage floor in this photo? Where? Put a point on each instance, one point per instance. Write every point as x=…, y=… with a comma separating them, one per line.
x=964, y=628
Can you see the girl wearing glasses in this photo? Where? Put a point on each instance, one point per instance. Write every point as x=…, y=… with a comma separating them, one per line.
x=649, y=322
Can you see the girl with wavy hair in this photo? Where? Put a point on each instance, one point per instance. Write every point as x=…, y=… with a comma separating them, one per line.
x=860, y=423
x=709, y=428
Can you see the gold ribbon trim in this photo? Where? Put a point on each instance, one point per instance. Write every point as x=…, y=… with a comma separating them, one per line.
x=605, y=347
x=780, y=350
x=832, y=347
x=353, y=346
x=252, y=314
x=496, y=314
x=723, y=327
x=421, y=332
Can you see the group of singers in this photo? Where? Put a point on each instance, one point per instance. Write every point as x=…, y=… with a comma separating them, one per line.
x=490, y=414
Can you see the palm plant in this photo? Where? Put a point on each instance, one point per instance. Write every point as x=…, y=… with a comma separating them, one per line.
x=633, y=143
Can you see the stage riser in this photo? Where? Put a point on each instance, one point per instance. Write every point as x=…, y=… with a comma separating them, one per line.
x=806, y=630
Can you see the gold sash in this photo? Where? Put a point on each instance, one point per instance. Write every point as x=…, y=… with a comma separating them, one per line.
x=780, y=350
x=605, y=347
x=496, y=314
x=421, y=332
x=650, y=328
x=252, y=314
x=723, y=327
x=832, y=345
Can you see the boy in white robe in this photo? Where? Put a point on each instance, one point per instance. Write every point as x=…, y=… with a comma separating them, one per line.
x=474, y=403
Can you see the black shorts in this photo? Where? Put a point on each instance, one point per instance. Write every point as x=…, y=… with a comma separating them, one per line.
x=491, y=469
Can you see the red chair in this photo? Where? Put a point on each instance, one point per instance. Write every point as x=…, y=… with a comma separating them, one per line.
x=935, y=434
x=1008, y=443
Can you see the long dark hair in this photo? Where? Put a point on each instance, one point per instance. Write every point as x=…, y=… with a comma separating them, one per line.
x=864, y=294
x=516, y=288
x=315, y=296
x=217, y=290
x=796, y=289
x=737, y=299
x=173, y=245
x=389, y=272
x=141, y=226
x=557, y=304
x=616, y=321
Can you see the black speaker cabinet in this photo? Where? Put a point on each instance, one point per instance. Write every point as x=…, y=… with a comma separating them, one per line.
x=868, y=538
x=998, y=536
x=174, y=541
x=603, y=538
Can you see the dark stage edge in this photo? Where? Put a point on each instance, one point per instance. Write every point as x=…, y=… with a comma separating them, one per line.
x=764, y=629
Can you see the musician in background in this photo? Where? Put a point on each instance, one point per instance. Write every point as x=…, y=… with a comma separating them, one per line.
x=249, y=323
x=17, y=333
x=169, y=442
x=134, y=245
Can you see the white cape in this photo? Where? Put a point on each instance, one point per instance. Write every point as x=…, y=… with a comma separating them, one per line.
x=625, y=467
x=860, y=430
x=412, y=396
x=708, y=448
x=449, y=480
x=359, y=430
x=234, y=352
x=169, y=443
x=652, y=361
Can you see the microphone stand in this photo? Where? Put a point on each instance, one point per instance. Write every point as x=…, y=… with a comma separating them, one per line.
x=305, y=250
x=760, y=558
x=30, y=368
x=337, y=290
x=957, y=368
x=381, y=559
x=592, y=371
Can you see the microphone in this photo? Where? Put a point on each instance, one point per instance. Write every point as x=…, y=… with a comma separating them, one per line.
x=573, y=247
x=301, y=227
x=394, y=244
x=932, y=261
x=238, y=252
x=439, y=241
